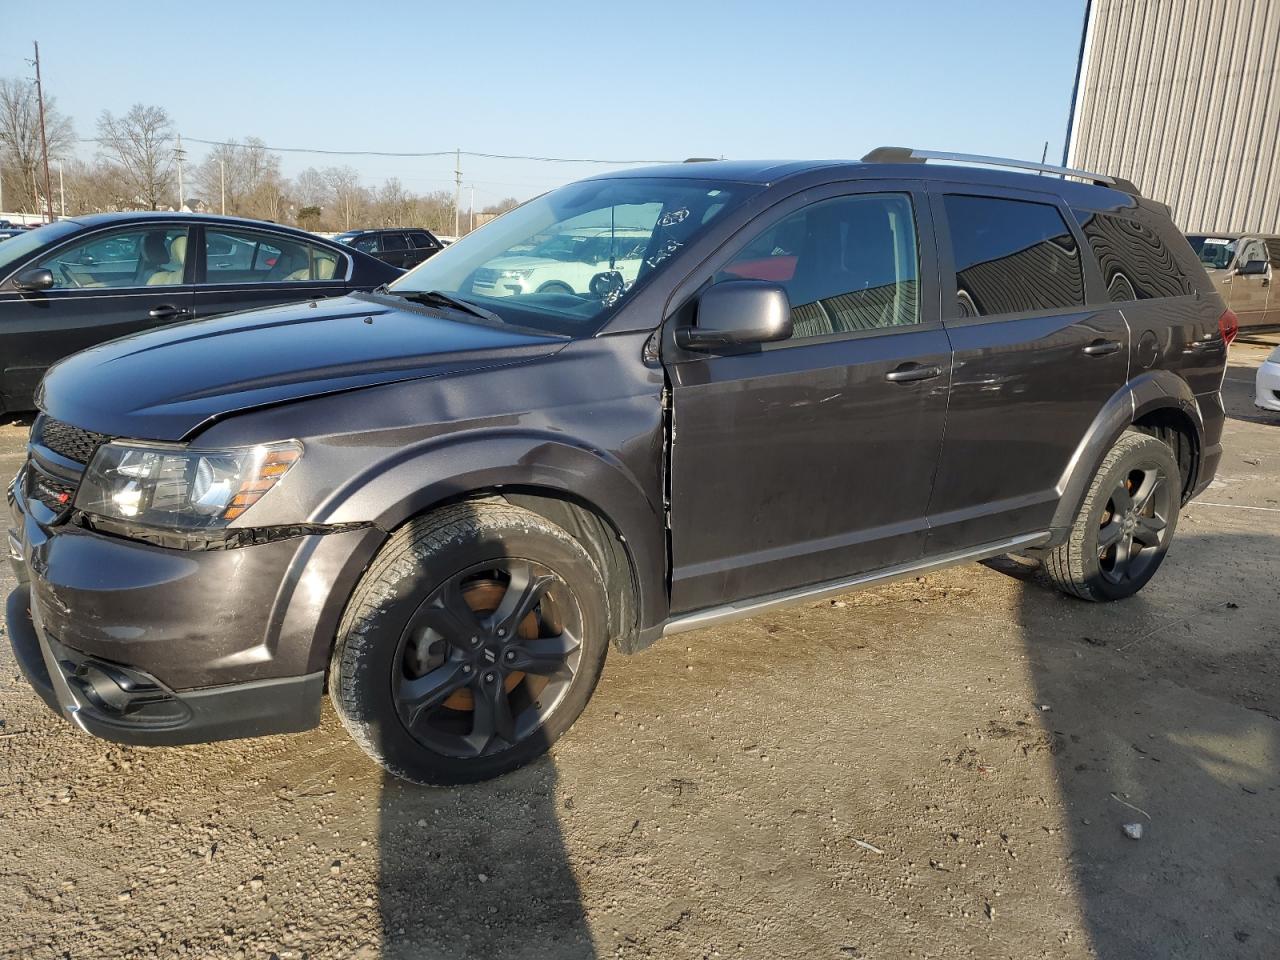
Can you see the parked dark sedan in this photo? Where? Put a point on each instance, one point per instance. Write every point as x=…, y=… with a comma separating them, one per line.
x=401, y=248
x=75, y=283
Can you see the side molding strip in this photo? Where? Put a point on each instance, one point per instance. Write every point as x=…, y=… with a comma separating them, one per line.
x=742, y=609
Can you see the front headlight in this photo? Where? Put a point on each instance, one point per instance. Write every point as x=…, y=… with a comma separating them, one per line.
x=515, y=274
x=165, y=486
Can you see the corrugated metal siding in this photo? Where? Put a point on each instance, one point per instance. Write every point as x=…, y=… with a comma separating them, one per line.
x=1183, y=98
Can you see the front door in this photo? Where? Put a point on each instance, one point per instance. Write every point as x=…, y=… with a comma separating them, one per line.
x=106, y=285
x=1249, y=293
x=812, y=459
x=1033, y=363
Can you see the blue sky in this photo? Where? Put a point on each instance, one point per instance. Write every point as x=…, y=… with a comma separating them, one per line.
x=657, y=80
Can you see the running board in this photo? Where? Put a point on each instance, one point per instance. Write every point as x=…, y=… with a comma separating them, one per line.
x=742, y=609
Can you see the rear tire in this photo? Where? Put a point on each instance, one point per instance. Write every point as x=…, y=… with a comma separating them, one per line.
x=474, y=640
x=1122, y=531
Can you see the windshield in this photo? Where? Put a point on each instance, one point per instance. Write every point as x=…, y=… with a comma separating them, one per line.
x=1216, y=253
x=16, y=249
x=563, y=263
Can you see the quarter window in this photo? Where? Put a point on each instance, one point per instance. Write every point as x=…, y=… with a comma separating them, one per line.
x=152, y=256
x=1135, y=263
x=1012, y=256
x=847, y=264
x=243, y=256
x=423, y=241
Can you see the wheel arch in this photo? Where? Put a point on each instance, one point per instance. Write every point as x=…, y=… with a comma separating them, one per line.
x=1158, y=402
x=589, y=493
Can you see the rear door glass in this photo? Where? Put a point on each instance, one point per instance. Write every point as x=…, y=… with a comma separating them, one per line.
x=1012, y=256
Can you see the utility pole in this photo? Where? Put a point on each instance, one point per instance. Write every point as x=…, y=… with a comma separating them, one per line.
x=457, y=190
x=222, y=177
x=44, y=142
x=179, y=154
x=62, y=190
x=473, y=210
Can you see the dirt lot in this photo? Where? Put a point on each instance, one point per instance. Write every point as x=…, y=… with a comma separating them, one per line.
x=937, y=769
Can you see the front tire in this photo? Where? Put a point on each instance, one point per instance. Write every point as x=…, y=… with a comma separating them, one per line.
x=1123, y=529
x=474, y=640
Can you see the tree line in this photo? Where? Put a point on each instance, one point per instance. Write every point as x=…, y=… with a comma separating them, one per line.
x=135, y=167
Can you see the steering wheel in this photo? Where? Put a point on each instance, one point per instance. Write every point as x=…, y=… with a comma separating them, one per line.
x=68, y=275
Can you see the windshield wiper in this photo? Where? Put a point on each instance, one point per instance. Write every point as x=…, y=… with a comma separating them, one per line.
x=438, y=298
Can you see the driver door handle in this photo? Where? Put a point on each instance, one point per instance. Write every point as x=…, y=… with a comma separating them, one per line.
x=1102, y=348
x=167, y=311
x=910, y=372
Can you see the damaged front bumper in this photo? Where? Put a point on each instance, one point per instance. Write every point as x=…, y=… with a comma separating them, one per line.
x=145, y=644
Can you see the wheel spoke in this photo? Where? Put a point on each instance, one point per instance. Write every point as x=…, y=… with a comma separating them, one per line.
x=546, y=656
x=525, y=591
x=1149, y=531
x=492, y=717
x=1109, y=534
x=449, y=614
x=1120, y=499
x=1152, y=481
x=1124, y=550
x=425, y=693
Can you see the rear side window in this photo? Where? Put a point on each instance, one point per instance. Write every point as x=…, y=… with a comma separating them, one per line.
x=1135, y=263
x=422, y=241
x=394, y=241
x=1012, y=256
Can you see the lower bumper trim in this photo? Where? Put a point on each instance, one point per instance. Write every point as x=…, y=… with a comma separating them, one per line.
x=99, y=697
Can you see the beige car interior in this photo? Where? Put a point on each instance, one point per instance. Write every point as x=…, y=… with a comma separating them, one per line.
x=171, y=272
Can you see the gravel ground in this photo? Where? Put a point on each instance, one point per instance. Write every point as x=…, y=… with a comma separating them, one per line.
x=942, y=768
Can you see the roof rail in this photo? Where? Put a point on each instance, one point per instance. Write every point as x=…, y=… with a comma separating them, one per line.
x=910, y=155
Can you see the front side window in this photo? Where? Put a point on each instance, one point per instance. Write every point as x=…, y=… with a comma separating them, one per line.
x=1012, y=256
x=1216, y=253
x=565, y=262
x=245, y=256
x=847, y=264
x=153, y=256
x=1253, y=250
x=1135, y=263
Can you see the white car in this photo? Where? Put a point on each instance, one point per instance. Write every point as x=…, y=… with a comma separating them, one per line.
x=1267, y=395
x=565, y=263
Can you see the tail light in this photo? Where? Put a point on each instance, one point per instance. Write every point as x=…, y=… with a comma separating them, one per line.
x=1229, y=325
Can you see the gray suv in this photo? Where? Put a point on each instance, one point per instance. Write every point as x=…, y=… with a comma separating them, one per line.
x=445, y=506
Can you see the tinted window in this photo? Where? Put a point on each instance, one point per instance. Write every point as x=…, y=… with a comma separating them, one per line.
x=394, y=241
x=1012, y=256
x=244, y=256
x=366, y=244
x=151, y=256
x=1135, y=263
x=422, y=240
x=847, y=264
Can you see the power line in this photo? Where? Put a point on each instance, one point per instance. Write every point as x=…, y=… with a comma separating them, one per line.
x=402, y=154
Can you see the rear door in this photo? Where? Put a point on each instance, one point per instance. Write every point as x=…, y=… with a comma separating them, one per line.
x=1033, y=364
x=812, y=459
x=108, y=284
x=1249, y=294
x=242, y=269
x=395, y=249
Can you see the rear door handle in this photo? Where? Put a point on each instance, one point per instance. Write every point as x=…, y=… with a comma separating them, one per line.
x=1102, y=348
x=166, y=312
x=910, y=372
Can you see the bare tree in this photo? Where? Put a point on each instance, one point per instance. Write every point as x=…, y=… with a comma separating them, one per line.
x=502, y=206
x=348, y=197
x=20, y=156
x=251, y=174
x=137, y=147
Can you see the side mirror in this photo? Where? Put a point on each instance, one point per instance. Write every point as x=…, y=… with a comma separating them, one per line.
x=738, y=312
x=34, y=279
x=1254, y=268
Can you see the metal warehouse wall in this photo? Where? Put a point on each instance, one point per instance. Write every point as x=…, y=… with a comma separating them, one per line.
x=1183, y=98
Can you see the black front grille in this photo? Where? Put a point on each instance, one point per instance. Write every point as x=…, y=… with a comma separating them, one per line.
x=68, y=441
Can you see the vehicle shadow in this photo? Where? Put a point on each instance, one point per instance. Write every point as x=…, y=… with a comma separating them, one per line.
x=1164, y=711
x=479, y=870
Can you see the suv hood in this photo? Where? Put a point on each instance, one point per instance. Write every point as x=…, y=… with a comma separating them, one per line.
x=166, y=383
